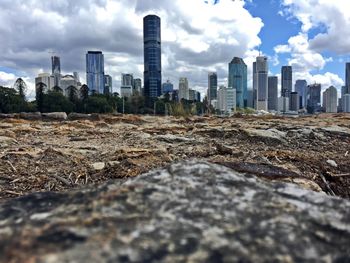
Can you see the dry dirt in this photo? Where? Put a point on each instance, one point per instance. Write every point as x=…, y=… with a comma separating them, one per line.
x=36, y=156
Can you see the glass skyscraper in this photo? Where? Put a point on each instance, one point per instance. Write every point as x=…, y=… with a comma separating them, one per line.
x=286, y=81
x=272, y=103
x=95, y=76
x=56, y=70
x=260, y=83
x=212, y=86
x=237, y=79
x=152, y=56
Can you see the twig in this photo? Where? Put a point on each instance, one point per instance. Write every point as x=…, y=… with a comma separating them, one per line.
x=327, y=184
x=6, y=178
x=12, y=193
x=13, y=168
x=61, y=179
x=340, y=175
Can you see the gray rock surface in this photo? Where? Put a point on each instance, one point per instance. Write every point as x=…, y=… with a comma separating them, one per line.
x=52, y=116
x=193, y=211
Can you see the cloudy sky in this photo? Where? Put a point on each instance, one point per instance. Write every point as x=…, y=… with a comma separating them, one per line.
x=311, y=35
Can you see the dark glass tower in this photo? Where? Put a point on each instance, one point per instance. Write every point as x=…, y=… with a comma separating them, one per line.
x=237, y=79
x=152, y=56
x=287, y=81
x=56, y=70
x=95, y=75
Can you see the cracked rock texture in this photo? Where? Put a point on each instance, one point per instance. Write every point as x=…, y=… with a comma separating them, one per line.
x=189, y=212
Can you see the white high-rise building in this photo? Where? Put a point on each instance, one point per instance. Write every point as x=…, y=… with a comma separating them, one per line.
x=283, y=104
x=222, y=99
x=330, y=100
x=47, y=79
x=260, y=83
x=184, y=91
x=127, y=86
x=231, y=99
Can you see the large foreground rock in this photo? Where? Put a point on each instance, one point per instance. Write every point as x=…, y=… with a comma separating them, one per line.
x=196, y=212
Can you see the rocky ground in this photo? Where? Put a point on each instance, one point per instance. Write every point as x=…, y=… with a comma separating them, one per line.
x=189, y=212
x=37, y=156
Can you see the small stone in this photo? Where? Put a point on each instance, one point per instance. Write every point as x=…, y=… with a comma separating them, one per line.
x=332, y=163
x=98, y=166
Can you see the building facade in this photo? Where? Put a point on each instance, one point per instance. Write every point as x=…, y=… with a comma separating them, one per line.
x=47, y=79
x=330, y=100
x=346, y=102
x=231, y=100
x=283, y=104
x=272, y=104
x=137, y=86
x=127, y=87
x=294, y=101
x=314, y=98
x=286, y=81
x=212, y=86
x=167, y=87
x=95, y=72
x=108, y=85
x=222, y=99
x=238, y=80
x=152, y=56
x=184, y=92
x=67, y=82
x=301, y=88
x=260, y=82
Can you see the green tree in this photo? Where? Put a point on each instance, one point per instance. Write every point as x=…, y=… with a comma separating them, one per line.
x=57, y=89
x=11, y=101
x=72, y=94
x=57, y=102
x=40, y=89
x=21, y=87
x=84, y=92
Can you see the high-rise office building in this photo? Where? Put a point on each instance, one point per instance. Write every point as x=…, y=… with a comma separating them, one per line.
x=212, y=86
x=167, y=87
x=222, y=99
x=347, y=75
x=330, y=100
x=152, y=56
x=183, y=89
x=138, y=86
x=237, y=79
x=272, y=103
x=95, y=72
x=191, y=95
x=47, y=79
x=294, y=101
x=231, y=100
x=283, y=104
x=250, y=98
x=301, y=88
x=260, y=82
x=198, y=96
x=108, y=85
x=56, y=70
x=127, y=86
x=286, y=81
x=314, y=98
x=346, y=102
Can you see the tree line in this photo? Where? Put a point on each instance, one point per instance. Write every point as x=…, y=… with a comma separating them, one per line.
x=13, y=100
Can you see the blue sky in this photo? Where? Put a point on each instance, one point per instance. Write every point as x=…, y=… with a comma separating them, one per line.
x=311, y=35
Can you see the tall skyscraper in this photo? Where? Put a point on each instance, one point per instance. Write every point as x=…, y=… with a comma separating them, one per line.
x=56, y=70
x=231, y=100
x=301, y=88
x=347, y=76
x=222, y=99
x=138, y=86
x=330, y=100
x=286, y=81
x=294, y=101
x=272, y=103
x=260, y=82
x=346, y=102
x=183, y=89
x=237, y=79
x=212, y=86
x=127, y=86
x=152, y=56
x=314, y=98
x=95, y=72
x=108, y=85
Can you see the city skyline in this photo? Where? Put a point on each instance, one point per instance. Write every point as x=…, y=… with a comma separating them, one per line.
x=189, y=50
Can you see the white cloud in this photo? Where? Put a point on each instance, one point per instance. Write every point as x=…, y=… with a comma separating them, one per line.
x=332, y=16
